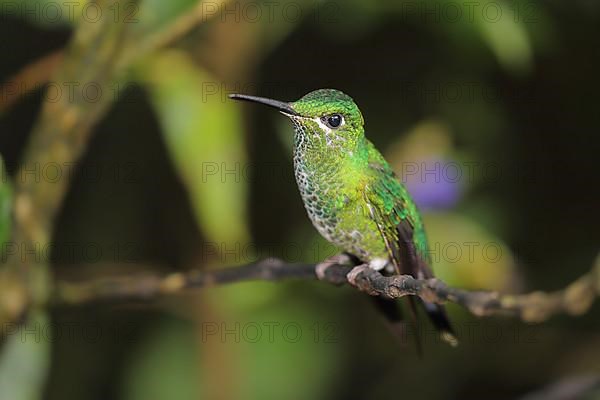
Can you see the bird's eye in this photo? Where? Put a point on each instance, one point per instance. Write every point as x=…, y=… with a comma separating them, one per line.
x=333, y=121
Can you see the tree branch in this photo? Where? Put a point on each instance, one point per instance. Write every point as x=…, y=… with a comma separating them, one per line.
x=40, y=71
x=99, y=54
x=29, y=78
x=60, y=136
x=537, y=306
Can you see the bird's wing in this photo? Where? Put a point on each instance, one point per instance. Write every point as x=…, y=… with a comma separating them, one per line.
x=398, y=221
x=397, y=217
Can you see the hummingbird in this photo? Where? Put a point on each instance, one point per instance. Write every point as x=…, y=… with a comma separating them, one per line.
x=352, y=195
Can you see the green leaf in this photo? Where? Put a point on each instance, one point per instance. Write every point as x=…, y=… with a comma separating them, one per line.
x=25, y=358
x=203, y=132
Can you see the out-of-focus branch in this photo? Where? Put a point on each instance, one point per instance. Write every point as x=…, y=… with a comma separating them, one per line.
x=149, y=286
x=99, y=54
x=28, y=79
x=40, y=71
x=575, y=299
x=199, y=13
x=60, y=135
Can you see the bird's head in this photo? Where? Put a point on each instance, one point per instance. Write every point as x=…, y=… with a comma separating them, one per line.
x=324, y=118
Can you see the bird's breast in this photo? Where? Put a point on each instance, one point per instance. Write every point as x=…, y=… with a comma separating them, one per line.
x=333, y=203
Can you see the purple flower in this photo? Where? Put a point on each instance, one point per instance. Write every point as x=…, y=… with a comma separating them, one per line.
x=435, y=183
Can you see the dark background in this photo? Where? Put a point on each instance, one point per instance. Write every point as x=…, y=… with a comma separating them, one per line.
x=531, y=115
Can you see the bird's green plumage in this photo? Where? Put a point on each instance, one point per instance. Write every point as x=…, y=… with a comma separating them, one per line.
x=350, y=192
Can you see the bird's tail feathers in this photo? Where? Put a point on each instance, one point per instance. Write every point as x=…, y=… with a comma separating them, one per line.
x=439, y=319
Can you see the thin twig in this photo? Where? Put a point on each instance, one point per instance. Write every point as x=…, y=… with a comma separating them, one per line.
x=39, y=72
x=28, y=79
x=575, y=299
x=140, y=47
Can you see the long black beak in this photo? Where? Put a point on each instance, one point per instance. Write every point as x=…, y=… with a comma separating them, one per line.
x=284, y=107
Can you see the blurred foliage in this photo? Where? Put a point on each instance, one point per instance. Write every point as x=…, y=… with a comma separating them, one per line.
x=47, y=14
x=497, y=24
x=165, y=365
x=466, y=255
x=5, y=204
x=145, y=16
x=25, y=358
x=152, y=15
x=440, y=84
x=439, y=178
x=209, y=164
x=284, y=336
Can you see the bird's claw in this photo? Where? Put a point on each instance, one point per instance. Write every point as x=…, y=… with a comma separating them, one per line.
x=338, y=259
x=352, y=275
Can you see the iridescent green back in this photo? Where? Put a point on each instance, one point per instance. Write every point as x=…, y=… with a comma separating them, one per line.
x=350, y=192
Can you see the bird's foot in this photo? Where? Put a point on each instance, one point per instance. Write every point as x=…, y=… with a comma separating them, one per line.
x=353, y=275
x=338, y=259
